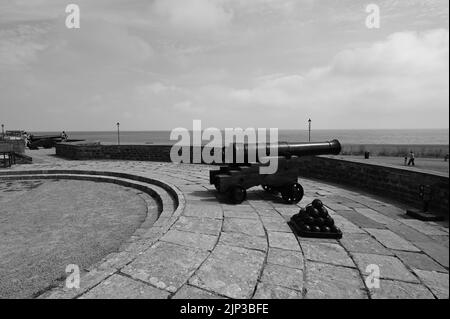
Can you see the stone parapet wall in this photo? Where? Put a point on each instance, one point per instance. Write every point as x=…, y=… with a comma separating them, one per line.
x=389, y=181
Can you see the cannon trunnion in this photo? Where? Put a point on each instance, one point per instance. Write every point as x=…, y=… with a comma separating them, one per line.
x=235, y=178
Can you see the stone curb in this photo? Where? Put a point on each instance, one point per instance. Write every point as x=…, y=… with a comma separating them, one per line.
x=142, y=239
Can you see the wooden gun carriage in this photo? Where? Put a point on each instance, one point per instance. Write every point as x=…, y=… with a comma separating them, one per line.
x=235, y=178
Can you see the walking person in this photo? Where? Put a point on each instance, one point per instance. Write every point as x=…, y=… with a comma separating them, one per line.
x=406, y=159
x=63, y=136
x=411, y=159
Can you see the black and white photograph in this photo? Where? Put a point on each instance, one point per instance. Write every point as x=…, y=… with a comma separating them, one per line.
x=223, y=156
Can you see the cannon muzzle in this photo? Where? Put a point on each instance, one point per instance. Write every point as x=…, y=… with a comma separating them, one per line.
x=247, y=153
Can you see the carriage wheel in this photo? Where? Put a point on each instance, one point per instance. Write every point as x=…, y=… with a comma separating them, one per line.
x=292, y=194
x=238, y=194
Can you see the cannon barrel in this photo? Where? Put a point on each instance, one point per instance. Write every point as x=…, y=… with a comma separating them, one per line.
x=44, y=137
x=308, y=149
x=241, y=152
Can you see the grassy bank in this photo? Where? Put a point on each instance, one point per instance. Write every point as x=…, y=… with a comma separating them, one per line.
x=430, y=151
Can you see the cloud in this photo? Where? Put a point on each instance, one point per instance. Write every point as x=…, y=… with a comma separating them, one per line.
x=394, y=80
x=21, y=45
x=227, y=62
x=193, y=15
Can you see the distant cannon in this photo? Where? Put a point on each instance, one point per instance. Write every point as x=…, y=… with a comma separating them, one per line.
x=46, y=141
x=243, y=169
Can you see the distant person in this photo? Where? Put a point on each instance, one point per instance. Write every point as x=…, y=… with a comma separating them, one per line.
x=26, y=138
x=446, y=158
x=63, y=136
x=411, y=159
x=406, y=159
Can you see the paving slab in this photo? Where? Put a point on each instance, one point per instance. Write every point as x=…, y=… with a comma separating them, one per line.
x=207, y=226
x=196, y=240
x=191, y=292
x=376, y=216
x=246, y=212
x=437, y=282
x=230, y=271
x=336, y=206
x=286, y=241
x=287, y=258
x=441, y=240
x=277, y=275
x=392, y=240
x=243, y=240
x=419, y=261
x=277, y=224
x=333, y=282
x=288, y=211
x=390, y=267
x=360, y=220
x=266, y=291
x=423, y=227
x=326, y=253
x=346, y=226
x=121, y=287
x=363, y=243
x=203, y=210
x=400, y=290
x=408, y=233
x=435, y=251
x=390, y=211
x=251, y=227
x=166, y=265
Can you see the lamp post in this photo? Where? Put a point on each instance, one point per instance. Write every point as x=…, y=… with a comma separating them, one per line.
x=118, y=133
x=309, y=130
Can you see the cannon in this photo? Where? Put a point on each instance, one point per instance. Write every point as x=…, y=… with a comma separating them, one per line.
x=45, y=141
x=243, y=172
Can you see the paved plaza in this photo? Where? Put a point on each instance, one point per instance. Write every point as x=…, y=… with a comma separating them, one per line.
x=209, y=248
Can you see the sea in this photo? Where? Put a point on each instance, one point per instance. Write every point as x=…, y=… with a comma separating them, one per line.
x=359, y=137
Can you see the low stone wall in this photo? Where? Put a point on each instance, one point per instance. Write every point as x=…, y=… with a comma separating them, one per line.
x=385, y=180
x=157, y=153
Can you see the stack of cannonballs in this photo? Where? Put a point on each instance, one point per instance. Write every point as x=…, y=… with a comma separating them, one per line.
x=315, y=221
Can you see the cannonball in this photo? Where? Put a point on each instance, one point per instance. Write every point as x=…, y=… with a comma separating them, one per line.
x=316, y=229
x=317, y=203
x=311, y=211
x=323, y=212
x=329, y=221
x=319, y=222
x=334, y=229
x=306, y=228
x=325, y=229
x=297, y=218
x=308, y=220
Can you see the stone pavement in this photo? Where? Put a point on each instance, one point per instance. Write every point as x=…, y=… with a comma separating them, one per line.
x=217, y=250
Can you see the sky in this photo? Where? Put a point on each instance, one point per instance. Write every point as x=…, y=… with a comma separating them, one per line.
x=160, y=64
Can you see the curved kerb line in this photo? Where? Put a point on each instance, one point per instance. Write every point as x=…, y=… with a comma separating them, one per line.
x=134, y=249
